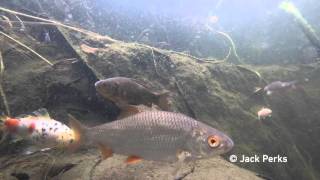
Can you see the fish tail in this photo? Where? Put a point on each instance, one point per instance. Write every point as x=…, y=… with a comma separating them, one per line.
x=79, y=131
x=163, y=100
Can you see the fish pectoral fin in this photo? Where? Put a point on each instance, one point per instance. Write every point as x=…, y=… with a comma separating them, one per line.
x=129, y=110
x=181, y=156
x=133, y=159
x=106, y=152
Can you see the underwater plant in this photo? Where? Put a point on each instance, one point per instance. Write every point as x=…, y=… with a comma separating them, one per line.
x=307, y=29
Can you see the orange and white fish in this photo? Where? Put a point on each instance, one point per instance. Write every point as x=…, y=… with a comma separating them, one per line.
x=40, y=129
x=264, y=113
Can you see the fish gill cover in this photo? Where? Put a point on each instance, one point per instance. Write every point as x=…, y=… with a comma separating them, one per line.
x=249, y=69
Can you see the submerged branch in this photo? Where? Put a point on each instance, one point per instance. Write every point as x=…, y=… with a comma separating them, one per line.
x=22, y=27
x=233, y=46
x=57, y=23
x=2, y=93
x=6, y=20
x=28, y=48
x=30, y=22
x=206, y=60
x=307, y=29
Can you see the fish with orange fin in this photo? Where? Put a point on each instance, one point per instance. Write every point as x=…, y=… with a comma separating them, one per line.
x=128, y=92
x=40, y=129
x=154, y=135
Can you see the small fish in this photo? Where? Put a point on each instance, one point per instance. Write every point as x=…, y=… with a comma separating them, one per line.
x=156, y=136
x=277, y=86
x=264, y=113
x=43, y=131
x=127, y=91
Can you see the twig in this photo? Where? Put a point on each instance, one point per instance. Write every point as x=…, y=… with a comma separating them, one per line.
x=6, y=20
x=1, y=67
x=31, y=22
x=233, y=46
x=22, y=28
x=25, y=46
x=165, y=53
x=2, y=93
x=57, y=23
x=252, y=71
x=213, y=61
x=142, y=34
x=154, y=62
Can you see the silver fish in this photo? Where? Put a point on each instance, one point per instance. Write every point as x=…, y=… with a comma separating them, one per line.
x=156, y=136
x=278, y=86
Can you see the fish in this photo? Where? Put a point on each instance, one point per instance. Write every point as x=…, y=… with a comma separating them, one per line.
x=40, y=129
x=128, y=91
x=278, y=86
x=154, y=136
x=264, y=113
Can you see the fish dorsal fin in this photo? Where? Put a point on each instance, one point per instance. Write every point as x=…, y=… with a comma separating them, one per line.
x=129, y=110
x=23, y=116
x=42, y=112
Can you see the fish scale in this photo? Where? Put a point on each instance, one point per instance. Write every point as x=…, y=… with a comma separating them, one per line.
x=159, y=131
x=156, y=135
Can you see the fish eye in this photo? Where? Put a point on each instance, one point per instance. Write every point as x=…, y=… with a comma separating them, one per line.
x=213, y=141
